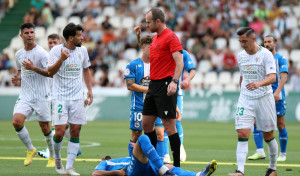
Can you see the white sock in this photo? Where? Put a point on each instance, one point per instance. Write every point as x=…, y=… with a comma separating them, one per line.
x=67, y=134
x=72, y=153
x=241, y=154
x=57, y=148
x=24, y=137
x=50, y=143
x=273, y=153
x=163, y=169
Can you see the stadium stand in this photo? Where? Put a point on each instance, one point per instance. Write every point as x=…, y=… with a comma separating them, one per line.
x=198, y=25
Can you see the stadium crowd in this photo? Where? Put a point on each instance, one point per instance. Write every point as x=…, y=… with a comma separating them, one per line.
x=206, y=29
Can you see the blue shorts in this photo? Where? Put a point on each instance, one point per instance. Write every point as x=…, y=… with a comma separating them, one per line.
x=136, y=168
x=180, y=103
x=136, y=120
x=280, y=108
x=158, y=123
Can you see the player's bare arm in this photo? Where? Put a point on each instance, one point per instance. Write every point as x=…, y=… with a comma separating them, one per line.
x=185, y=83
x=52, y=70
x=131, y=85
x=178, y=114
x=283, y=79
x=172, y=88
x=108, y=173
x=30, y=66
x=88, y=82
x=16, y=79
x=271, y=78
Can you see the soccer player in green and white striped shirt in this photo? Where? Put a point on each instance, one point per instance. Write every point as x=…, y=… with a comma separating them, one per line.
x=68, y=63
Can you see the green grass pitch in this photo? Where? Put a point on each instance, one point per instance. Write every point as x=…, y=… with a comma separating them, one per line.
x=203, y=142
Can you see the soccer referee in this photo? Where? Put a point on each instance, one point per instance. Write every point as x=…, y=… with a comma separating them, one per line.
x=166, y=64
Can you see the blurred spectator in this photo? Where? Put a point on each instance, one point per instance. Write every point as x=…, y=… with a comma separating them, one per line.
x=192, y=13
x=107, y=61
x=122, y=10
x=119, y=80
x=262, y=12
x=31, y=16
x=116, y=46
x=242, y=5
x=5, y=62
x=269, y=4
x=170, y=18
x=229, y=60
x=89, y=43
x=205, y=10
x=212, y=23
x=257, y=25
x=55, y=7
x=282, y=23
x=79, y=7
x=38, y=4
x=235, y=15
x=93, y=8
x=275, y=12
x=46, y=18
x=199, y=28
x=91, y=27
x=295, y=81
x=6, y=77
x=103, y=80
x=292, y=69
x=288, y=40
x=224, y=30
x=216, y=58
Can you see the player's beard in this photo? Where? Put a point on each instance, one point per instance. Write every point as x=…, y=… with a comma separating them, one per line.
x=270, y=49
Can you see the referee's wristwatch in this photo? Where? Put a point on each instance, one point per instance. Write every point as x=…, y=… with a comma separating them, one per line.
x=175, y=80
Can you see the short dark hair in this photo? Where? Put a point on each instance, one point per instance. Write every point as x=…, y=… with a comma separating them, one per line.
x=26, y=25
x=274, y=38
x=71, y=29
x=157, y=14
x=146, y=40
x=245, y=30
x=54, y=36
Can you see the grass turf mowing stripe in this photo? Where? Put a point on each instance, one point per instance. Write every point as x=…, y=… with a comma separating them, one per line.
x=186, y=162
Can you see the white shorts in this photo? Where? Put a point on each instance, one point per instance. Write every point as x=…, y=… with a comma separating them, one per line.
x=42, y=109
x=261, y=110
x=71, y=111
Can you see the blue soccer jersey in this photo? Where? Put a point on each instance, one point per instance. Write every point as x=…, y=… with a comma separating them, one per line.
x=139, y=71
x=281, y=67
x=113, y=164
x=188, y=66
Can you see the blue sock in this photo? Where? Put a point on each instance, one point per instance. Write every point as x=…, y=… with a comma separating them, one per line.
x=179, y=171
x=130, y=148
x=166, y=144
x=283, y=139
x=160, y=149
x=149, y=150
x=179, y=130
x=258, y=138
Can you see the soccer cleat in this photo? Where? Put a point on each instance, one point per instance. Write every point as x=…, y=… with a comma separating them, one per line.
x=209, y=169
x=30, y=155
x=182, y=153
x=59, y=167
x=71, y=171
x=167, y=159
x=44, y=153
x=271, y=172
x=169, y=173
x=237, y=173
x=257, y=156
x=51, y=162
x=281, y=157
x=79, y=152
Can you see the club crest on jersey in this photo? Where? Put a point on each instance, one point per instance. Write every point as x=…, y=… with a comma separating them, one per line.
x=127, y=71
x=79, y=55
x=137, y=124
x=256, y=59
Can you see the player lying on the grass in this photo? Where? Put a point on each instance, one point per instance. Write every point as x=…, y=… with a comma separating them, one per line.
x=146, y=162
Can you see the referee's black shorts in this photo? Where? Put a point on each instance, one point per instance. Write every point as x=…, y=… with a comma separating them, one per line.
x=157, y=102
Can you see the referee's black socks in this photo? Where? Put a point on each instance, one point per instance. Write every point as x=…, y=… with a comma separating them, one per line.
x=175, y=148
x=153, y=138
